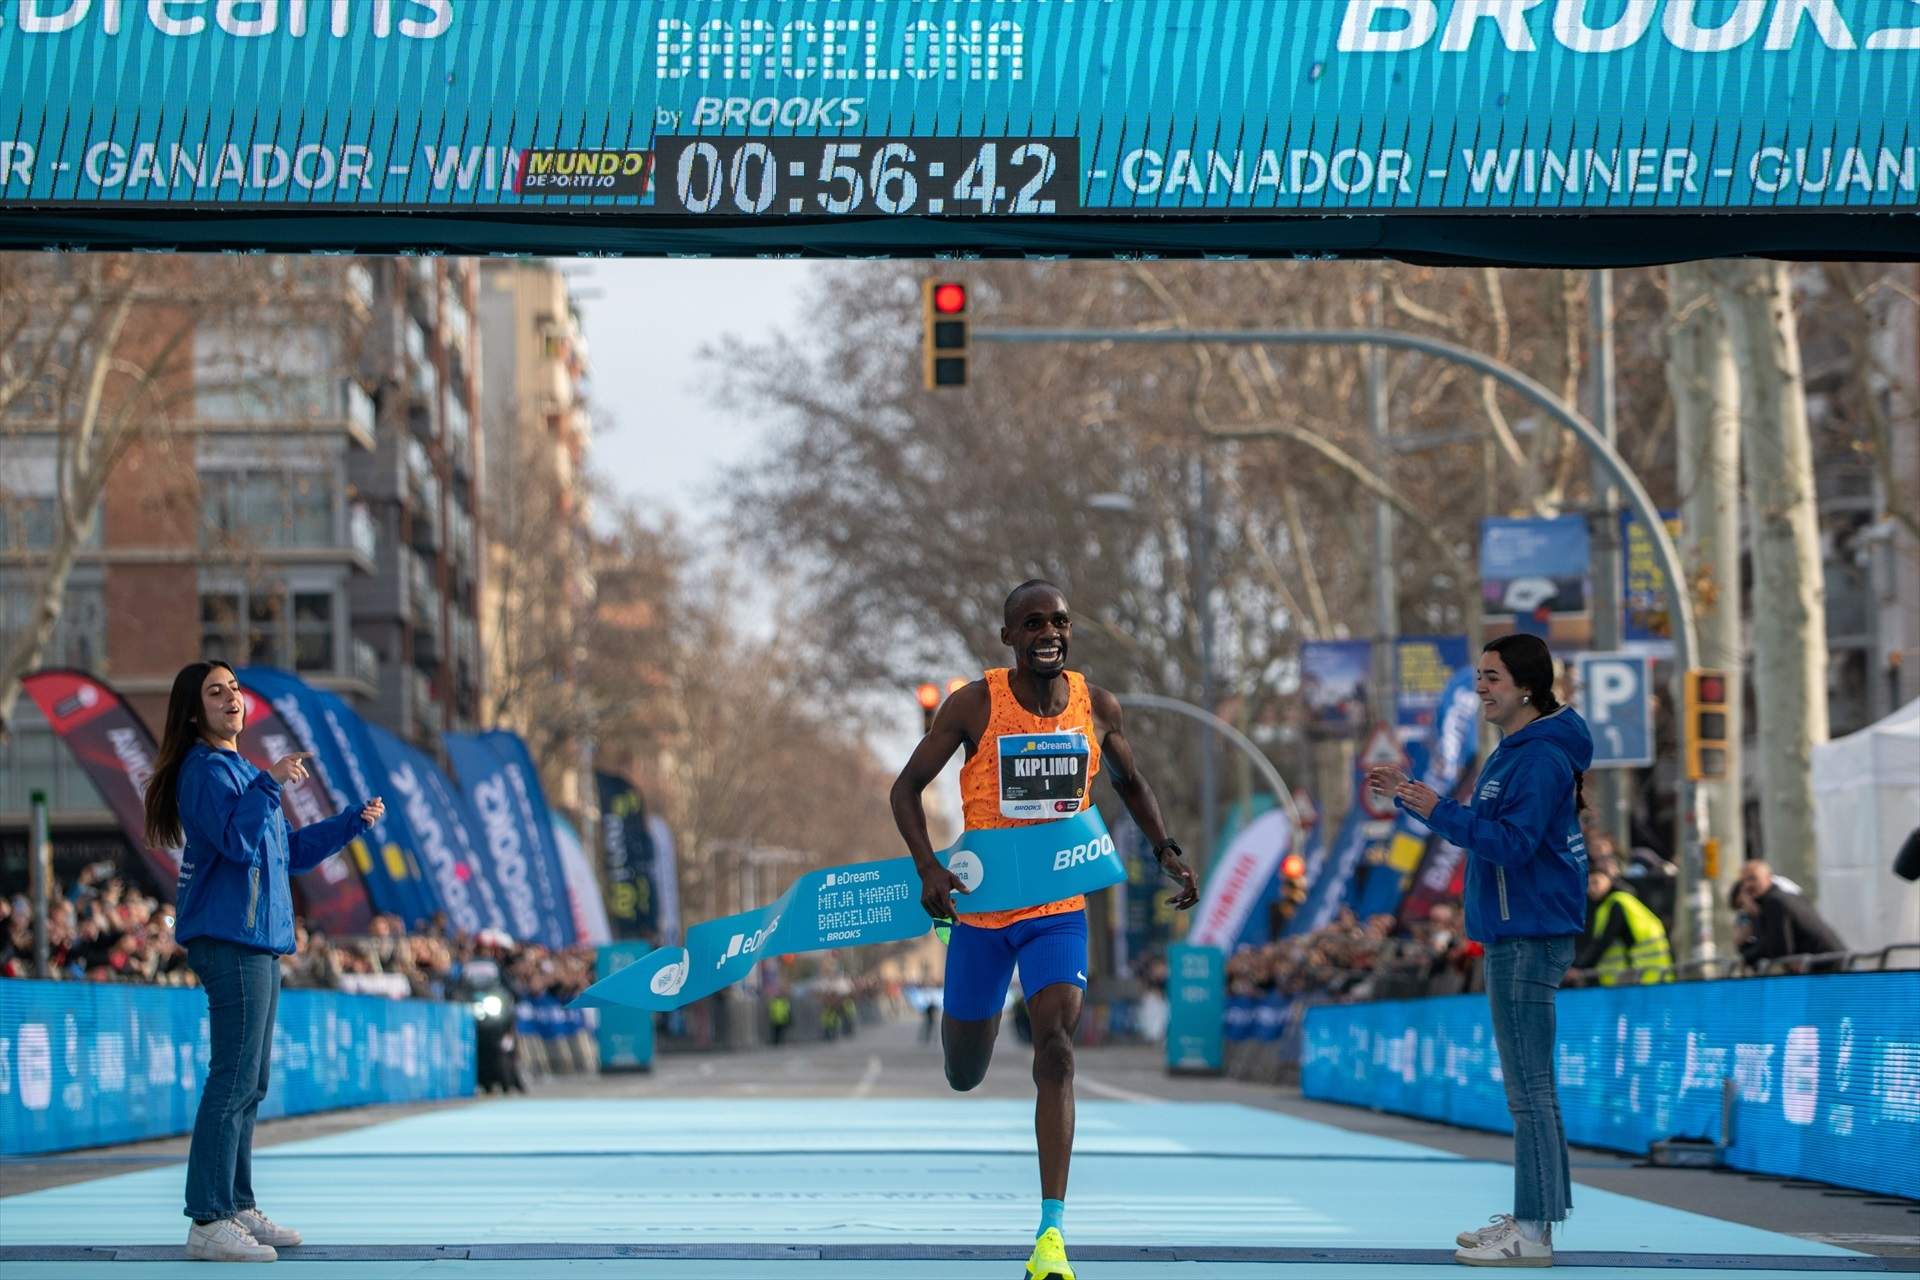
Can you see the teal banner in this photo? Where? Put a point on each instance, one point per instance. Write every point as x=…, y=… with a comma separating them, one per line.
x=867, y=902
x=1196, y=1009
x=773, y=110
x=624, y=1035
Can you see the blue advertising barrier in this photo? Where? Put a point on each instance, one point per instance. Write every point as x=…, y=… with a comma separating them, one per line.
x=1825, y=1069
x=1197, y=1003
x=84, y=1064
x=625, y=1036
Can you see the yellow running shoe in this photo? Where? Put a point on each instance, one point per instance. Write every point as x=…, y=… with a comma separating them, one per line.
x=1049, y=1257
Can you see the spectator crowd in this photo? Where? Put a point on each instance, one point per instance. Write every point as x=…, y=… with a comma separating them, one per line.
x=104, y=929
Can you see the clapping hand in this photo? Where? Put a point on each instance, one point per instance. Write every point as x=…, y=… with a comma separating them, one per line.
x=1416, y=797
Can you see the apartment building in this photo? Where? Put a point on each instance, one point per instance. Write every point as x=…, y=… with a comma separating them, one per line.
x=540, y=576
x=309, y=503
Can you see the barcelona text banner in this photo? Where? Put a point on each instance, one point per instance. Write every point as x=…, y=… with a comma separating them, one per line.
x=767, y=112
x=1825, y=1069
x=868, y=902
x=88, y=1064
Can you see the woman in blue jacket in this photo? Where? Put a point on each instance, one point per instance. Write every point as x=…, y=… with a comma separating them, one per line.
x=234, y=915
x=1526, y=903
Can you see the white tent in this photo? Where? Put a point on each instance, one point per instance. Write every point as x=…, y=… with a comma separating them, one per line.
x=1866, y=800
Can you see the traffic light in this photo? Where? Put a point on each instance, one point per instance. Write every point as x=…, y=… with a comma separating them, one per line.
x=929, y=695
x=1293, y=888
x=943, y=334
x=1706, y=725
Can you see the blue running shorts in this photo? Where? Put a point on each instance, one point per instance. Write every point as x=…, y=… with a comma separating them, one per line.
x=980, y=962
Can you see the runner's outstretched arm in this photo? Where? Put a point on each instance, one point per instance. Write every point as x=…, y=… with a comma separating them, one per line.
x=950, y=733
x=1116, y=756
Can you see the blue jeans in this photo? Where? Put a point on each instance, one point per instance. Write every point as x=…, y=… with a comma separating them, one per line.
x=243, y=992
x=1522, y=975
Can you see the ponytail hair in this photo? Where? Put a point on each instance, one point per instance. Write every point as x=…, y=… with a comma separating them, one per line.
x=177, y=738
x=1529, y=662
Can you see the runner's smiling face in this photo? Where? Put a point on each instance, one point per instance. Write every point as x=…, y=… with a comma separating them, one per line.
x=1038, y=630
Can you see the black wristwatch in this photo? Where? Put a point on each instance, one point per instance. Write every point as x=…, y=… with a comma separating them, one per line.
x=1169, y=843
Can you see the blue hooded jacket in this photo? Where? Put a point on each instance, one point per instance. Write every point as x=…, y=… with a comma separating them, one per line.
x=239, y=851
x=1527, y=860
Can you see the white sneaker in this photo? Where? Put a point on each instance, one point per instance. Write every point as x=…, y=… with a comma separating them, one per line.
x=1479, y=1236
x=266, y=1230
x=225, y=1240
x=1507, y=1248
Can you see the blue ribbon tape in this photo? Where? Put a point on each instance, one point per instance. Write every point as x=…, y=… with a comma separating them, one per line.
x=866, y=902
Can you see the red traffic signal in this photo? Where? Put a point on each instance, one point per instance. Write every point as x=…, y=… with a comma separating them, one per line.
x=1293, y=866
x=1711, y=688
x=955, y=685
x=949, y=298
x=929, y=695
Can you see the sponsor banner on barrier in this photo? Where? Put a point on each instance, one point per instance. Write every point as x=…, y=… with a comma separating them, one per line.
x=867, y=902
x=84, y=1064
x=116, y=749
x=1825, y=1069
x=625, y=1036
x=338, y=737
x=498, y=776
x=626, y=856
x=1241, y=876
x=331, y=896
x=1197, y=1008
x=447, y=835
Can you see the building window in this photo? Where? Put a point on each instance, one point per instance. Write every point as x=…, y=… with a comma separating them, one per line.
x=280, y=629
x=79, y=637
x=267, y=508
x=33, y=759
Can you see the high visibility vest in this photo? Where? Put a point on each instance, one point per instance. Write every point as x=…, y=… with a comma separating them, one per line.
x=779, y=1010
x=1650, y=956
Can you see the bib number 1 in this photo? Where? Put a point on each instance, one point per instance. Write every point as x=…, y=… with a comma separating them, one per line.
x=1042, y=775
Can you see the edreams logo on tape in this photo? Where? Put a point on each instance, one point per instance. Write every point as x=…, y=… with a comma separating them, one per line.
x=1088, y=852
x=967, y=868
x=743, y=944
x=669, y=980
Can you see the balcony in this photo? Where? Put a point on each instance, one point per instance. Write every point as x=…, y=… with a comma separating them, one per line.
x=366, y=663
x=459, y=437
x=363, y=534
x=427, y=712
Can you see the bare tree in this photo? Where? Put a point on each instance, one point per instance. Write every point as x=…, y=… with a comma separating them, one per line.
x=104, y=357
x=1789, y=597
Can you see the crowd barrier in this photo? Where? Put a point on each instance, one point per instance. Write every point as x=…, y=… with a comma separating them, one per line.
x=83, y=1064
x=1813, y=1077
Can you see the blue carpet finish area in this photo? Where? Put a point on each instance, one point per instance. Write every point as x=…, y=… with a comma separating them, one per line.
x=857, y=1188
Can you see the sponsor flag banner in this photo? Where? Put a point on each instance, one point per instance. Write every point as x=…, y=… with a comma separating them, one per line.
x=113, y=745
x=666, y=876
x=588, y=908
x=1646, y=621
x=1448, y=766
x=499, y=779
x=866, y=902
x=447, y=836
x=331, y=896
x=1330, y=877
x=1333, y=683
x=1241, y=877
x=340, y=741
x=1425, y=665
x=626, y=854
x=1534, y=579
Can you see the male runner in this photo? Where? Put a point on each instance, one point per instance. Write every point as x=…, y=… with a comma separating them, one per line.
x=1049, y=942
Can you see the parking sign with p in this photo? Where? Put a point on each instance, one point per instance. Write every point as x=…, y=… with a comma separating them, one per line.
x=1615, y=695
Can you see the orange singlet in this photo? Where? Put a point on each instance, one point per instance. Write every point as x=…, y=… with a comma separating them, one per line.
x=987, y=789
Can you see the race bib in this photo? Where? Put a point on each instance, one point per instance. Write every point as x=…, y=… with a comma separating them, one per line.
x=1042, y=775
